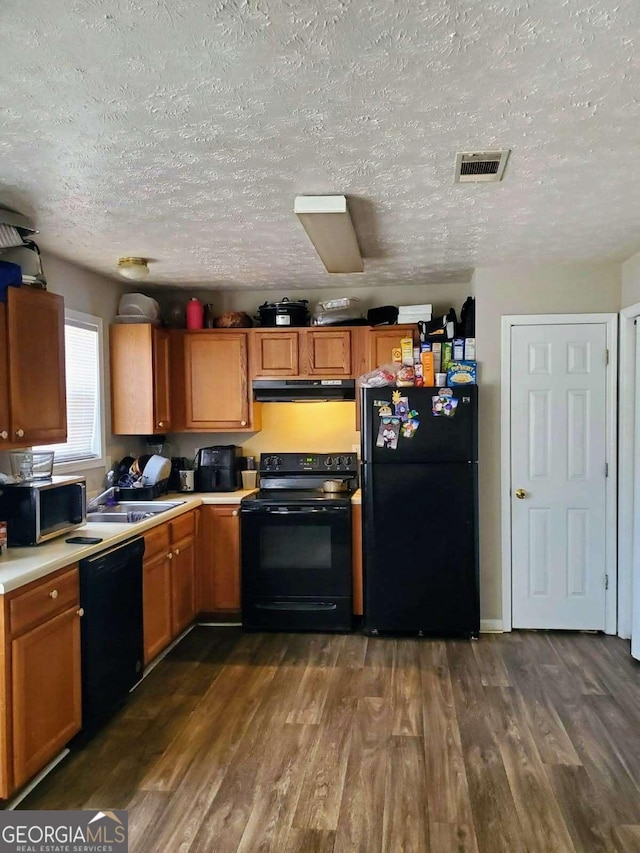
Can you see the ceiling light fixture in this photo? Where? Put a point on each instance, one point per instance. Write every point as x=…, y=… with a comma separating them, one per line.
x=134, y=268
x=326, y=220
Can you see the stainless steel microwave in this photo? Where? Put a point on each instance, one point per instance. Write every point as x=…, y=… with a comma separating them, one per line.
x=39, y=510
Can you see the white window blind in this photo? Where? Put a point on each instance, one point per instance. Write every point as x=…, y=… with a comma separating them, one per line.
x=82, y=358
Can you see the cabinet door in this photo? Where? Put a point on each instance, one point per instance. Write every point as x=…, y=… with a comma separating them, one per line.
x=5, y=425
x=326, y=353
x=183, y=606
x=383, y=341
x=35, y=334
x=156, y=604
x=220, y=566
x=274, y=353
x=162, y=409
x=46, y=702
x=216, y=381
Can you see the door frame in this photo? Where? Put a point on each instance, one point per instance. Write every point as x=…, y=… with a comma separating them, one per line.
x=611, y=323
x=628, y=538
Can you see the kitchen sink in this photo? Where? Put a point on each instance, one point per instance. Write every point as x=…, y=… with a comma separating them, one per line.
x=128, y=512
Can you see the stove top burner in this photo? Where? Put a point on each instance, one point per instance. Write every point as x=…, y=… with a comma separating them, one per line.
x=302, y=497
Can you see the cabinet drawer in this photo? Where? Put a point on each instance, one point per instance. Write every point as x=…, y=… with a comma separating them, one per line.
x=183, y=526
x=156, y=541
x=48, y=598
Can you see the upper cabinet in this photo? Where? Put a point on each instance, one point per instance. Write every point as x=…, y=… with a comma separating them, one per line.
x=33, y=406
x=140, y=402
x=384, y=339
x=211, y=387
x=302, y=352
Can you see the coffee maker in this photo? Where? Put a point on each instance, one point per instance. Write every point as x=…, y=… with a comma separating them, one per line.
x=218, y=468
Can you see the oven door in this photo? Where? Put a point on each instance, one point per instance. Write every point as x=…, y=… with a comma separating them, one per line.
x=296, y=567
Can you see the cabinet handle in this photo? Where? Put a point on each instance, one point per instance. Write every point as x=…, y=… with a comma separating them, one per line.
x=4, y=434
x=160, y=423
x=170, y=555
x=20, y=433
x=177, y=551
x=80, y=611
x=53, y=593
x=235, y=512
x=243, y=423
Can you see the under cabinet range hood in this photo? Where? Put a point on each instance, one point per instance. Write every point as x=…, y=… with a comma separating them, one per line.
x=303, y=390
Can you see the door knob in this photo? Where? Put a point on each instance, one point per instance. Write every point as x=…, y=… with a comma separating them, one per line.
x=20, y=433
x=53, y=593
x=235, y=512
x=4, y=434
x=160, y=423
x=243, y=423
x=80, y=612
x=521, y=494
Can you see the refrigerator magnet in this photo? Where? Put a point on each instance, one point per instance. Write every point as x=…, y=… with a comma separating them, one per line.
x=410, y=427
x=401, y=406
x=388, y=433
x=385, y=411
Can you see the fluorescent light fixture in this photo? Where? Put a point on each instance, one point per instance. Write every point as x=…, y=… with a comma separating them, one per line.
x=326, y=220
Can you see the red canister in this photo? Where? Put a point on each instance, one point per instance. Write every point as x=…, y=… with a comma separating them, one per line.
x=195, y=314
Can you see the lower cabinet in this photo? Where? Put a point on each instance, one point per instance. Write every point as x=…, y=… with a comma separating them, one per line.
x=41, y=709
x=168, y=588
x=219, y=568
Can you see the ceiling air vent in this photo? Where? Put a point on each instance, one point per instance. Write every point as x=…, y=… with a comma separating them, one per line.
x=480, y=165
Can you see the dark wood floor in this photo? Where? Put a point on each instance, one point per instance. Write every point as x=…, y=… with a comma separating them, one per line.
x=518, y=742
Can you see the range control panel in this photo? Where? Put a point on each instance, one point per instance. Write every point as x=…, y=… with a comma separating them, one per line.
x=312, y=463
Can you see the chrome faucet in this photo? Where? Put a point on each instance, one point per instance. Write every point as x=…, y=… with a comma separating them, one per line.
x=103, y=499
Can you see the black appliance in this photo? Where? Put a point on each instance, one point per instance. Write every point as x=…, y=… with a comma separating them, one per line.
x=296, y=544
x=420, y=541
x=218, y=468
x=178, y=463
x=39, y=510
x=310, y=390
x=284, y=313
x=111, y=630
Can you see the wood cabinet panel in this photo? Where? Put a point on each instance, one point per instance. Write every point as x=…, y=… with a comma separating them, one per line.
x=35, y=343
x=46, y=701
x=156, y=597
x=183, y=527
x=156, y=541
x=274, y=354
x=326, y=352
x=43, y=600
x=140, y=395
x=5, y=416
x=216, y=382
x=356, y=559
x=220, y=564
x=383, y=340
x=183, y=606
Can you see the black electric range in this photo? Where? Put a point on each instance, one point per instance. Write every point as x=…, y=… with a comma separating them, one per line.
x=296, y=544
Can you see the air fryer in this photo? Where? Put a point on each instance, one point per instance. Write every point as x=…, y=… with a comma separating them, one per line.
x=218, y=468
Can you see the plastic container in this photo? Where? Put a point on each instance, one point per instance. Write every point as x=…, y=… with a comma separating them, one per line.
x=31, y=465
x=195, y=314
x=137, y=304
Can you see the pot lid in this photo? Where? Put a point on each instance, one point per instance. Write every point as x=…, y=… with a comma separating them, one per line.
x=285, y=303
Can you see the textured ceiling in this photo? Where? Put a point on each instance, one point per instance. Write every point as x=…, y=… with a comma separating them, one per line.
x=183, y=131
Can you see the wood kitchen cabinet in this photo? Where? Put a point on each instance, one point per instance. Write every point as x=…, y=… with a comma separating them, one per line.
x=210, y=376
x=219, y=565
x=168, y=582
x=33, y=405
x=40, y=670
x=140, y=397
x=303, y=352
x=383, y=339
x=156, y=591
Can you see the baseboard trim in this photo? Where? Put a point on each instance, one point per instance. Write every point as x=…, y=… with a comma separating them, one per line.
x=491, y=626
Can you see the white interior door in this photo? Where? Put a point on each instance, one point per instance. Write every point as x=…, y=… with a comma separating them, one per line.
x=558, y=473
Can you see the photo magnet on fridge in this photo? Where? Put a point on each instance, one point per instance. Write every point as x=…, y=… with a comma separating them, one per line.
x=388, y=433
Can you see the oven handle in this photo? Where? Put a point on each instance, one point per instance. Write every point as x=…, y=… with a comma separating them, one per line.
x=298, y=605
x=304, y=511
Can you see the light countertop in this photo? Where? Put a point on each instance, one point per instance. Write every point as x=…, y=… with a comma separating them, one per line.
x=20, y=566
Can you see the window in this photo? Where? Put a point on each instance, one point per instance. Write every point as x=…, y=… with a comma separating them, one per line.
x=83, y=360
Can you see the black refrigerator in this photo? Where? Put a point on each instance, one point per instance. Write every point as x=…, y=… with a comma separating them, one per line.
x=420, y=510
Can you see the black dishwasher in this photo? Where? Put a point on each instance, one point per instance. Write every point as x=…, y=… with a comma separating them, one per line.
x=111, y=629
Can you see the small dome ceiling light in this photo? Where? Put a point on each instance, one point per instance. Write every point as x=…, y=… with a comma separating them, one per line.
x=133, y=268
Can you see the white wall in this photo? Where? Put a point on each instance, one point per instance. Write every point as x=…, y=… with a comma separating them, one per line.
x=630, y=281
x=543, y=289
